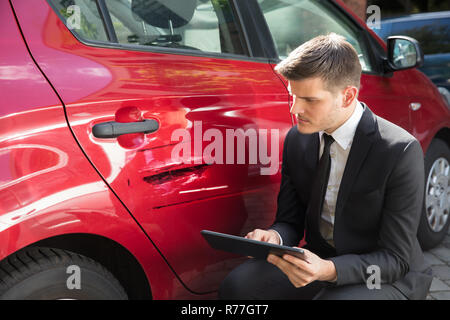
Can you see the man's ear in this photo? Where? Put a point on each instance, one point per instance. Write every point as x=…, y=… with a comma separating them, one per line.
x=349, y=96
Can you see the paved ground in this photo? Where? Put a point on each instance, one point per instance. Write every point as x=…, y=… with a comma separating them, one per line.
x=439, y=258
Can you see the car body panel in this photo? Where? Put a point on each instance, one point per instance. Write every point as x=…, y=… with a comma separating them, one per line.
x=172, y=200
x=47, y=187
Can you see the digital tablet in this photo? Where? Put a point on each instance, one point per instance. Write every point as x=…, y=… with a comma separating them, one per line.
x=248, y=247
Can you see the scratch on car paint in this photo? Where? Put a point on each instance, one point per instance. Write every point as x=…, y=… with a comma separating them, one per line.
x=168, y=175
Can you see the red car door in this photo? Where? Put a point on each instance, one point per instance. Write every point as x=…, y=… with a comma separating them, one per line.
x=211, y=153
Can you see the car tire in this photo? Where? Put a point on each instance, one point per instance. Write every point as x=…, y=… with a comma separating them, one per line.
x=38, y=273
x=435, y=220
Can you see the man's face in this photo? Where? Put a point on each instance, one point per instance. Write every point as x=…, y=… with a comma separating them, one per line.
x=314, y=107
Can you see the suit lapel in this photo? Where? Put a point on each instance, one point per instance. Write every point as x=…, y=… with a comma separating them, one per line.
x=362, y=142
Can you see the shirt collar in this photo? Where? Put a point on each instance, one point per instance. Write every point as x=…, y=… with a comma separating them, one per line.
x=345, y=133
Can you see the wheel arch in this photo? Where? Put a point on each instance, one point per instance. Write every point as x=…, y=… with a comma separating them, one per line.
x=444, y=134
x=113, y=256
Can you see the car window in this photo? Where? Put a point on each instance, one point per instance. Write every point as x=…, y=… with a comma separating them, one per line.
x=293, y=22
x=432, y=34
x=205, y=25
x=201, y=25
x=82, y=17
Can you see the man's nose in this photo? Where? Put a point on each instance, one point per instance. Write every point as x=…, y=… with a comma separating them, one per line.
x=297, y=108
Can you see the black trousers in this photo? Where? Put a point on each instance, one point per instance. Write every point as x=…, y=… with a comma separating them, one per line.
x=260, y=280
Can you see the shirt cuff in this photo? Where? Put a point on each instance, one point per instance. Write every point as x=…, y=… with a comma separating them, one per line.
x=279, y=237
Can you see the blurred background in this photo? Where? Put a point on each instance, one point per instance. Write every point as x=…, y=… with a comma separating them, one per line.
x=427, y=21
x=392, y=8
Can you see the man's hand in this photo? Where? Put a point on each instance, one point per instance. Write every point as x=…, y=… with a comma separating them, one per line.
x=264, y=235
x=302, y=272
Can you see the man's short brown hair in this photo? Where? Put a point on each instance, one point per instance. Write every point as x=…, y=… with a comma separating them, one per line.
x=329, y=57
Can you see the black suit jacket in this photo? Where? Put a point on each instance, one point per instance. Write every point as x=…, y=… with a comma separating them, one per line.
x=378, y=207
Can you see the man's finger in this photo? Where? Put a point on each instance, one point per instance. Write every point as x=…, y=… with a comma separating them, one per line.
x=295, y=275
x=254, y=235
x=279, y=262
x=285, y=266
x=298, y=262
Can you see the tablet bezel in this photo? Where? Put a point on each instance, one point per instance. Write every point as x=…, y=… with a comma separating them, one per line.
x=248, y=247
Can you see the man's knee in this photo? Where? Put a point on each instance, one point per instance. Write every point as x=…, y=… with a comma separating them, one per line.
x=240, y=282
x=232, y=289
x=255, y=279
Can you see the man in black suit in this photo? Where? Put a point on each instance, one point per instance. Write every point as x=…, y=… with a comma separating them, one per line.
x=352, y=182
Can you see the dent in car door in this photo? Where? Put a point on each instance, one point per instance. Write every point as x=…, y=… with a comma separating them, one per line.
x=171, y=199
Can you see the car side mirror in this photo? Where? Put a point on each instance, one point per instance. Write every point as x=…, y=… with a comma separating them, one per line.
x=403, y=53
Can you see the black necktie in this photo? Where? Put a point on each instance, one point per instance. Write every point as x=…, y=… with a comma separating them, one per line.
x=318, y=192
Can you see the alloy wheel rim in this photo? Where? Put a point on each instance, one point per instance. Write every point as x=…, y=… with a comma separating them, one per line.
x=437, y=194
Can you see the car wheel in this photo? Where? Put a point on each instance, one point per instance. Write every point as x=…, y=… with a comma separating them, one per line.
x=49, y=274
x=435, y=219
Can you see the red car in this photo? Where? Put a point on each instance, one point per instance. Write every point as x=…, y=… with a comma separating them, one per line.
x=128, y=126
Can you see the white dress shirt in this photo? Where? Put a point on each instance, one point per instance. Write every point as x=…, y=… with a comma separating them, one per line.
x=339, y=151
